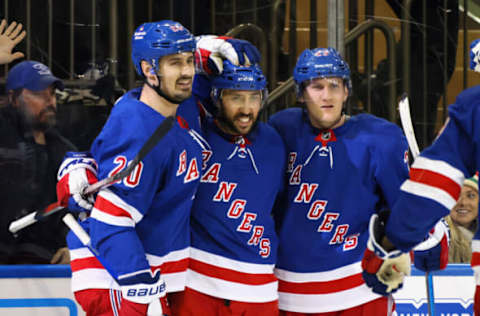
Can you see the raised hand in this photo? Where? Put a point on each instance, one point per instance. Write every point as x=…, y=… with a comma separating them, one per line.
x=212, y=50
x=10, y=36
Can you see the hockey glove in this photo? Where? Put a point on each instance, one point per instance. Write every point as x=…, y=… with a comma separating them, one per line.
x=383, y=271
x=77, y=171
x=475, y=55
x=212, y=50
x=432, y=253
x=139, y=290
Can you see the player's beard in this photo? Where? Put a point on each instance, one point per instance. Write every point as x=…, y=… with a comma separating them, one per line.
x=228, y=124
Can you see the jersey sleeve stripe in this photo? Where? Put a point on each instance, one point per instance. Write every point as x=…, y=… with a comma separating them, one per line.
x=173, y=267
x=80, y=253
x=440, y=167
x=111, y=219
x=114, y=204
x=85, y=263
x=321, y=287
x=436, y=180
x=429, y=192
x=475, y=261
x=231, y=275
x=175, y=255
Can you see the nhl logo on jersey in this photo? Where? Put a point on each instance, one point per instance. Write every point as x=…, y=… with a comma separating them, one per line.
x=326, y=136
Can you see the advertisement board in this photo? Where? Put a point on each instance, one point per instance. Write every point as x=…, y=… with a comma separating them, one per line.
x=41, y=290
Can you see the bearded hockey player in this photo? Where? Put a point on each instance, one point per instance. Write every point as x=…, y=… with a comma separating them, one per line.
x=234, y=245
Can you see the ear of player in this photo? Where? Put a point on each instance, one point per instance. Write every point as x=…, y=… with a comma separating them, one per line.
x=432, y=253
x=383, y=270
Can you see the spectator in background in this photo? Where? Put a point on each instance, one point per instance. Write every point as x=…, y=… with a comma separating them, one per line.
x=463, y=222
x=31, y=150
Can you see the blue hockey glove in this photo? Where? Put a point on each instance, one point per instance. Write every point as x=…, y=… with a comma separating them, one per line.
x=432, y=253
x=77, y=171
x=475, y=55
x=212, y=50
x=383, y=271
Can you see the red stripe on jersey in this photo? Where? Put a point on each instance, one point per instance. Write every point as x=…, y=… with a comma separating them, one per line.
x=321, y=287
x=173, y=266
x=108, y=207
x=230, y=275
x=437, y=180
x=85, y=263
x=475, y=259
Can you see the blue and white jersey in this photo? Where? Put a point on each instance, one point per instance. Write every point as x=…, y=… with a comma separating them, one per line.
x=437, y=175
x=234, y=244
x=143, y=221
x=336, y=180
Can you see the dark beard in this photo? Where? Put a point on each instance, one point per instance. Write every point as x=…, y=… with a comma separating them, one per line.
x=45, y=120
x=223, y=120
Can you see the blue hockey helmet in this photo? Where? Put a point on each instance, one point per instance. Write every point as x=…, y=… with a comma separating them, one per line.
x=153, y=40
x=320, y=63
x=239, y=78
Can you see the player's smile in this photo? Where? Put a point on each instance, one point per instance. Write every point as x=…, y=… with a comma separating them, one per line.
x=184, y=84
x=243, y=122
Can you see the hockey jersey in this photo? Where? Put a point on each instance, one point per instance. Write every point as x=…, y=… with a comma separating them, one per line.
x=336, y=180
x=142, y=221
x=437, y=175
x=234, y=244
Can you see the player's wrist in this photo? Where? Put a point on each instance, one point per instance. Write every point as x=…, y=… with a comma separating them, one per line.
x=387, y=244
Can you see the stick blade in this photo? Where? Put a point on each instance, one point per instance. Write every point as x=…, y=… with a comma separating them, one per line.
x=405, y=118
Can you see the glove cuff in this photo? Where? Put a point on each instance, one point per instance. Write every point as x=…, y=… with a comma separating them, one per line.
x=374, y=242
x=147, y=289
x=74, y=161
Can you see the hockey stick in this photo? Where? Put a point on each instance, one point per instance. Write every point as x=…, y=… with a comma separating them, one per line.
x=53, y=208
x=406, y=120
x=34, y=217
x=154, y=309
x=85, y=239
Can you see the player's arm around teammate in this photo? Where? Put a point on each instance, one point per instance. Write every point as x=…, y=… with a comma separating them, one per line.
x=159, y=191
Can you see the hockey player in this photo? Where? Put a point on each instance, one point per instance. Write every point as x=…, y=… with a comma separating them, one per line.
x=434, y=185
x=340, y=171
x=234, y=245
x=140, y=225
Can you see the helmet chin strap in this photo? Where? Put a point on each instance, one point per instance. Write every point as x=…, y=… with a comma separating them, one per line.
x=160, y=92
